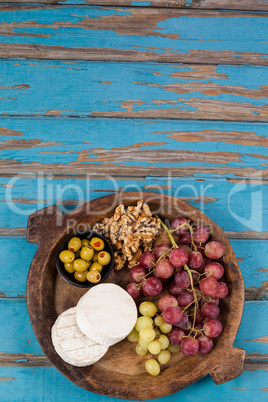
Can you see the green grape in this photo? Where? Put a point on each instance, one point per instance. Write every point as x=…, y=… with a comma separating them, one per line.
x=154, y=347
x=164, y=341
x=133, y=336
x=157, y=332
x=148, y=309
x=174, y=348
x=159, y=321
x=155, y=302
x=143, y=344
x=152, y=367
x=140, y=351
x=147, y=334
x=166, y=328
x=143, y=322
x=164, y=356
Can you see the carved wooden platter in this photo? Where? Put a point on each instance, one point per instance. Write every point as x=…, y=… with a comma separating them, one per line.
x=121, y=372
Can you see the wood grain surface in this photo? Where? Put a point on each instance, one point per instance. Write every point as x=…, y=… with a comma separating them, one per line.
x=136, y=90
x=256, y=5
x=133, y=34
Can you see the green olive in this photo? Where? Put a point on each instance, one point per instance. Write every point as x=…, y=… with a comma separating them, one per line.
x=96, y=266
x=95, y=256
x=93, y=276
x=69, y=266
x=88, y=264
x=84, y=243
x=81, y=276
x=87, y=253
x=80, y=265
x=67, y=256
x=104, y=258
x=74, y=244
x=97, y=243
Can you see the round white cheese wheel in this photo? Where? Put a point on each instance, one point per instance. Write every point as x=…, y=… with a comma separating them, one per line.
x=71, y=344
x=106, y=314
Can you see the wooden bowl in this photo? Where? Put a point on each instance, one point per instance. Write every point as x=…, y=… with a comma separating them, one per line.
x=121, y=373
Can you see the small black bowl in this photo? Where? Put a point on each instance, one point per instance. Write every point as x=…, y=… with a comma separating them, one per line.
x=106, y=268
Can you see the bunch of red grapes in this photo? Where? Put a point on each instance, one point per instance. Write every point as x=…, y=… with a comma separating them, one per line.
x=187, y=270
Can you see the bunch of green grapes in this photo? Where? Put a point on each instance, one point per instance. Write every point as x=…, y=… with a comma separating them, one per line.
x=150, y=335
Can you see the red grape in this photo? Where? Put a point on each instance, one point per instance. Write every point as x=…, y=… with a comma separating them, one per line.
x=200, y=234
x=214, y=250
x=185, y=238
x=205, y=262
x=208, y=286
x=185, y=247
x=172, y=315
x=137, y=273
x=210, y=310
x=182, y=279
x=164, y=281
x=185, y=324
x=164, y=269
x=147, y=260
x=133, y=290
x=213, y=300
x=198, y=293
x=178, y=222
x=151, y=287
x=214, y=270
x=199, y=318
x=189, y=346
x=195, y=259
x=222, y=290
x=160, y=250
x=185, y=299
x=212, y=328
x=178, y=257
x=174, y=289
x=175, y=336
x=166, y=302
x=205, y=345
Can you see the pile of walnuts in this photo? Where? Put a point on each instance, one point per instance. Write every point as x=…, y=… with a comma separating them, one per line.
x=131, y=231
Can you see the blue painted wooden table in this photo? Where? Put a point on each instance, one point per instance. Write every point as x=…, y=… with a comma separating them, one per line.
x=102, y=95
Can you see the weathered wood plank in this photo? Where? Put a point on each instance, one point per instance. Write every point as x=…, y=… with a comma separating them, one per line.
x=257, y=5
x=251, y=254
x=141, y=90
x=133, y=34
x=237, y=207
x=154, y=147
x=47, y=384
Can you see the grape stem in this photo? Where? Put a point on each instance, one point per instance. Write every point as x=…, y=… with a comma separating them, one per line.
x=183, y=224
x=187, y=269
x=174, y=244
x=194, y=294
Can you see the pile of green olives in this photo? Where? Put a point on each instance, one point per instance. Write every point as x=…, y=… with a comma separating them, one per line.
x=85, y=259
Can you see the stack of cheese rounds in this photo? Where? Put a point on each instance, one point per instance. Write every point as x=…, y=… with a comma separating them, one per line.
x=105, y=315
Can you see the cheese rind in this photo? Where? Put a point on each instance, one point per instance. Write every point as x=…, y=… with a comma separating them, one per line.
x=71, y=344
x=106, y=314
